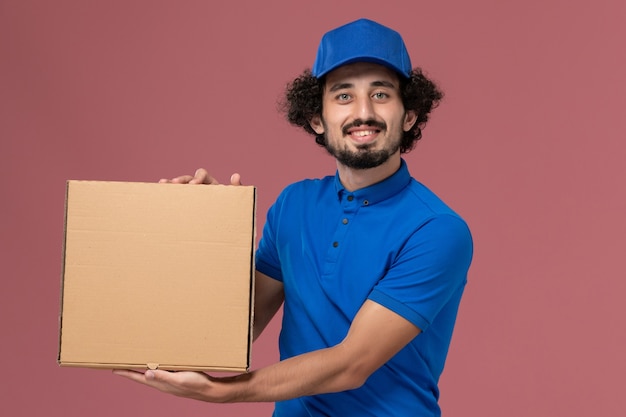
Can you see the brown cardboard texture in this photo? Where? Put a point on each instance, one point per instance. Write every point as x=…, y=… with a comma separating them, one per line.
x=158, y=276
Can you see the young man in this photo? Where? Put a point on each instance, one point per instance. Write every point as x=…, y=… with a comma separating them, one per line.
x=369, y=263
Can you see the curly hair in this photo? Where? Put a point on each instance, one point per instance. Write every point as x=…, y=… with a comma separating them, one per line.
x=303, y=100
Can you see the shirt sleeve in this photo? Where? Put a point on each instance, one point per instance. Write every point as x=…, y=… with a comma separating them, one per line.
x=431, y=267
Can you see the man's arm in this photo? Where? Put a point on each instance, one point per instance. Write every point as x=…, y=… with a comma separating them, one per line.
x=376, y=335
x=268, y=297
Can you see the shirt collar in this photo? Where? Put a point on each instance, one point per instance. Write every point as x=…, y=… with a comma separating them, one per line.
x=380, y=191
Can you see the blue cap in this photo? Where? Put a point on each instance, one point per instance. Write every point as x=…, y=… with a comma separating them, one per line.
x=362, y=41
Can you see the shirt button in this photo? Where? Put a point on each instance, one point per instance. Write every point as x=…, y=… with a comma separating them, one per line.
x=344, y=221
x=350, y=197
x=365, y=202
x=335, y=244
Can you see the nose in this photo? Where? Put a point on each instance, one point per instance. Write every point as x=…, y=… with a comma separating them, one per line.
x=365, y=108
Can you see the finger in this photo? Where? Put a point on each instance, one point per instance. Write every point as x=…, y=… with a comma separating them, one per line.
x=188, y=179
x=149, y=377
x=235, y=179
x=183, y=179
x=202, y=177
x=156, y=375
x=130, y=374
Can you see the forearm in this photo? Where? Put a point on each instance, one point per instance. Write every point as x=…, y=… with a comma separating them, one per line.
x=269, y=297
x=322, y=371
x=375, y=336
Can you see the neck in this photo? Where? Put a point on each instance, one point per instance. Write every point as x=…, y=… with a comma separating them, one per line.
x=354, y=179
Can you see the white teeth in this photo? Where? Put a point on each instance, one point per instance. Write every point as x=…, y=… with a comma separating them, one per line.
x=364, y=132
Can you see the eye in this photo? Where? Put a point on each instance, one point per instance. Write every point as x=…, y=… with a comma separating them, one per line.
x=343, y=97
x=380, y=95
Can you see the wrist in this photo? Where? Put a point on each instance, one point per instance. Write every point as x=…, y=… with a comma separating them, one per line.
x=230, y=389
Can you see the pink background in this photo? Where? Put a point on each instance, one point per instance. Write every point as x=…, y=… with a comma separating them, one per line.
x=529, y=146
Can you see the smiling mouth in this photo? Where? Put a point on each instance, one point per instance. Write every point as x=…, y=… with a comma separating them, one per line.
x=363, y=137
x=363, y=128
x=361, y=133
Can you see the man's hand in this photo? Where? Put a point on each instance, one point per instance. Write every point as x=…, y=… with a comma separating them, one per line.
x=200, y=177
x=194, y=385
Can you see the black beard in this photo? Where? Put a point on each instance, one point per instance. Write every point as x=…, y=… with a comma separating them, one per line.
x=363, y=157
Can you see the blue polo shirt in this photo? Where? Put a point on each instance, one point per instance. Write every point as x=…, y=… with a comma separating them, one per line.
x=395, y=243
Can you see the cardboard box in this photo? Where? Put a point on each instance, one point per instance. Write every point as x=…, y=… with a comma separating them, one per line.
x=157, y=276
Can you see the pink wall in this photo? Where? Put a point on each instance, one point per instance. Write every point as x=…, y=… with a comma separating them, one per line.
x=528, y=145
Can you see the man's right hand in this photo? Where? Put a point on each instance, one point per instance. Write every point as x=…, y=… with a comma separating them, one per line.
x=200, y=177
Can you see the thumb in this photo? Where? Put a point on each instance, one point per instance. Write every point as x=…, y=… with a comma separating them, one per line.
x=235, y=179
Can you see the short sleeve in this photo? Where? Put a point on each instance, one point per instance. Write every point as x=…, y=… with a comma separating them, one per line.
x=428, y=271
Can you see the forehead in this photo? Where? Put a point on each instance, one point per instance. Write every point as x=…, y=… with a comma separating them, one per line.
x=361, y=73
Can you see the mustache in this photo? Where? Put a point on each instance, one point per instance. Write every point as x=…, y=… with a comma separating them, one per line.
x=360, y=122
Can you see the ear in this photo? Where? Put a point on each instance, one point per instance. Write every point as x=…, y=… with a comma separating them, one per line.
x=316, y=124
x=409, y=120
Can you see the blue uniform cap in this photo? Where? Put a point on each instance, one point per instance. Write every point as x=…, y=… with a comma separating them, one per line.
x=362, y=41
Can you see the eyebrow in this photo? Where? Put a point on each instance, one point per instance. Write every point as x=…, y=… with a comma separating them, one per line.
x=383, y=84
x=341, y=86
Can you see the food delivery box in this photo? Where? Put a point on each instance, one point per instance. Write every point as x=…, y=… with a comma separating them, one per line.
x=157, y=276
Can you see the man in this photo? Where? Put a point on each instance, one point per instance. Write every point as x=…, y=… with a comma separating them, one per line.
x=369, y=263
